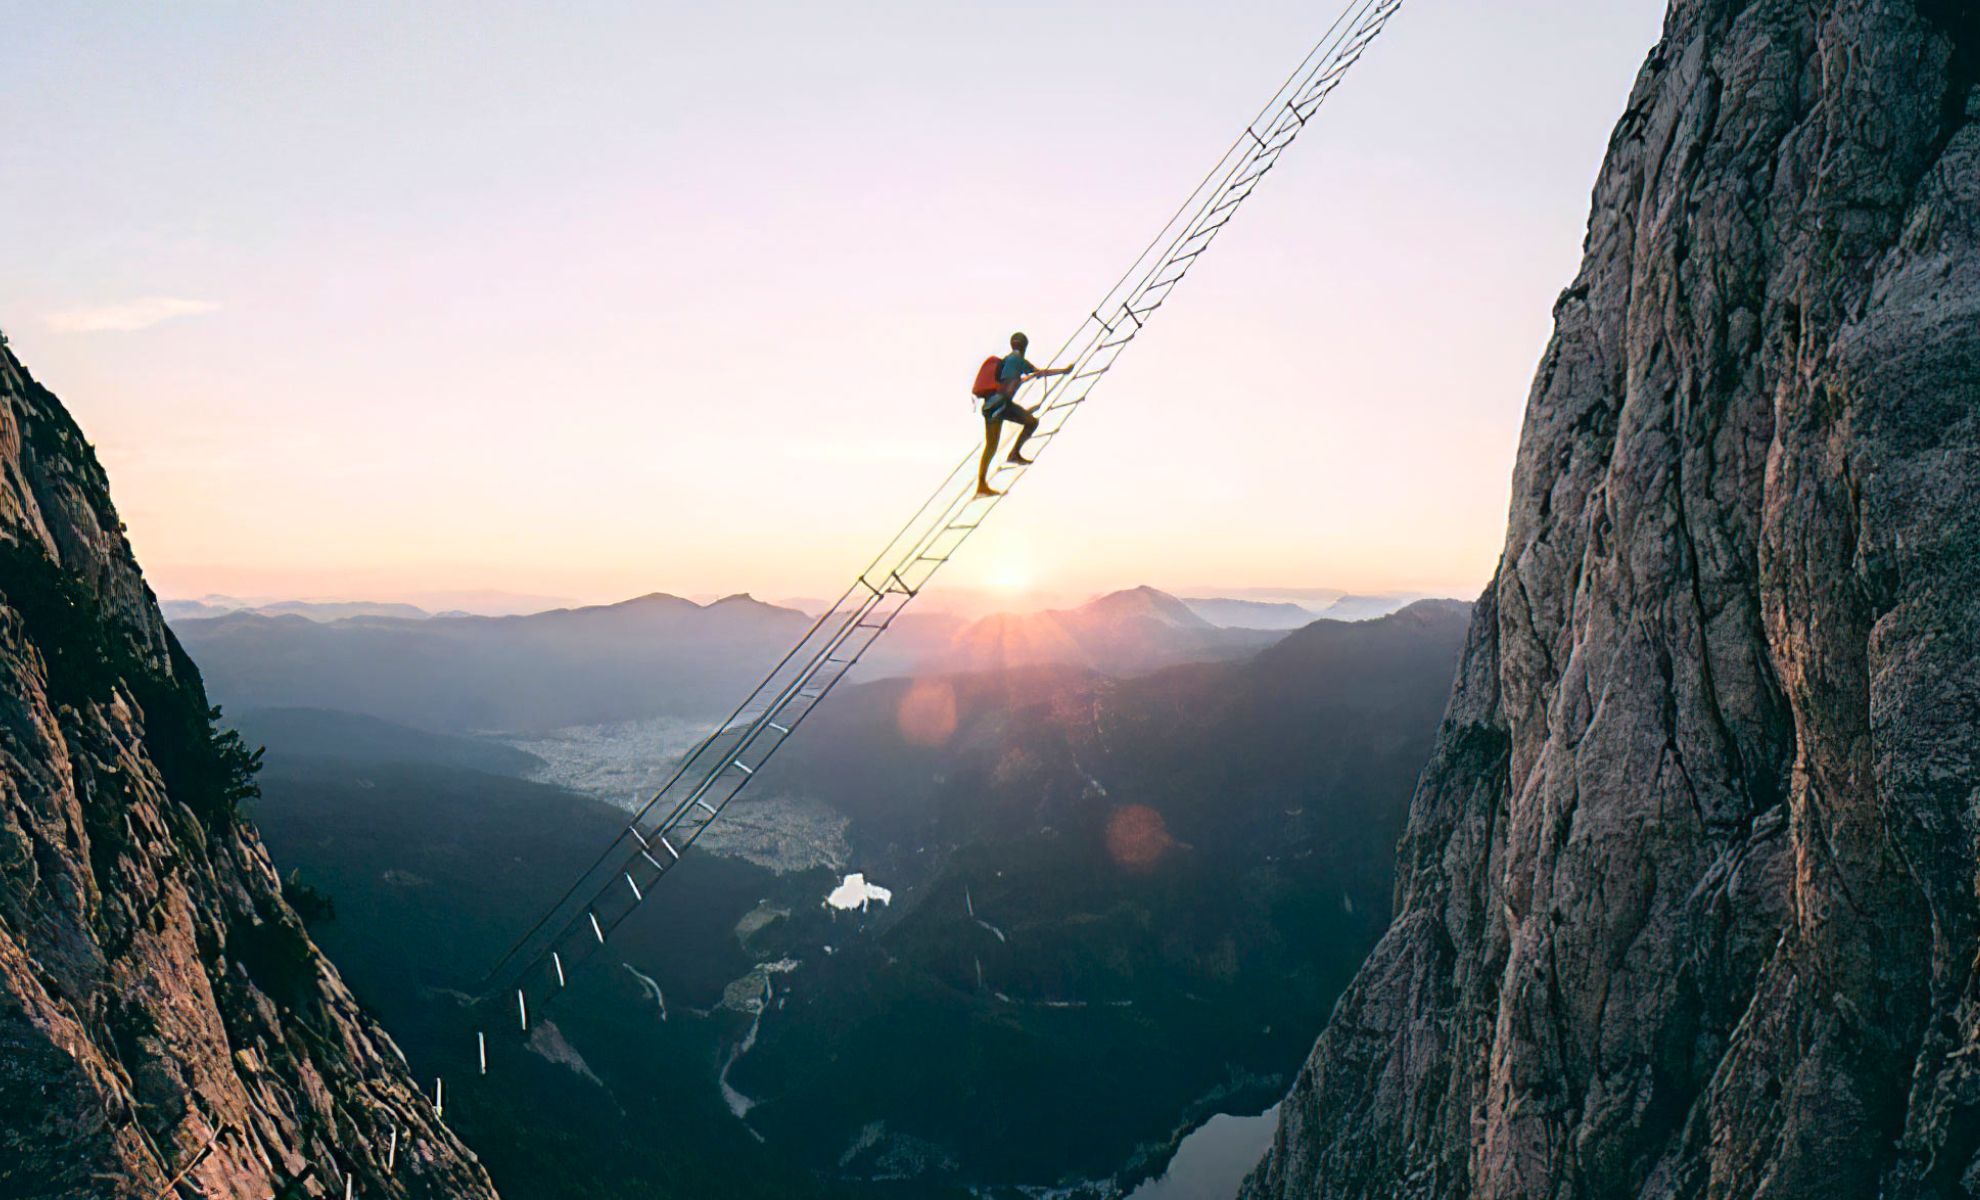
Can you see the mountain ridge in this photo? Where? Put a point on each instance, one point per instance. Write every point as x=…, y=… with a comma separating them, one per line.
x=1129, y=631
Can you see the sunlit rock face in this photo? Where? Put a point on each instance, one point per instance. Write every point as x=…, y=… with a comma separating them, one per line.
x=167, y=1027
x=1686, y=903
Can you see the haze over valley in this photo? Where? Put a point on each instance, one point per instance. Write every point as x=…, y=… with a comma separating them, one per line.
x=1142, y=832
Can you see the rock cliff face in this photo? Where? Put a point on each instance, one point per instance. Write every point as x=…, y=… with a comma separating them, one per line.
x=166, y=1026
x=1687, y=901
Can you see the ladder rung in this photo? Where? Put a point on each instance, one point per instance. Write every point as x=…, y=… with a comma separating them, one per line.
x=1333, y=73
x=1323, y=86
x=1236, y=198
x=595, y=930
x=637, y=898
x=670, y=847
x=654, y=861
x=1232, y=195
x=1208, y=229
x=1122, y=342
x=1354, y=49
x=974, y=524
x=780, y=729
x=1255, y=175
x=700, y=803
x=934, y=558
x=1151, y=308
x=557, y=960
x=1369, y=30
x=1085, y=375
x=745, y=768
x=1331, y=79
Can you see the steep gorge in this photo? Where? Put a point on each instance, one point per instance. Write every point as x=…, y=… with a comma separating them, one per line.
x=167, y=1028
x=1686, y=905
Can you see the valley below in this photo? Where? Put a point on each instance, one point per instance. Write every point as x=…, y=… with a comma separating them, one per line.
x=1017, y=932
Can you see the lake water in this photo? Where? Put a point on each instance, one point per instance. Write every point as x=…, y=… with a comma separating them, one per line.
x=1214, y=1159
x=857, y=893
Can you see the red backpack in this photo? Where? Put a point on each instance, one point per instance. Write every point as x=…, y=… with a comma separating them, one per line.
x=987, y=384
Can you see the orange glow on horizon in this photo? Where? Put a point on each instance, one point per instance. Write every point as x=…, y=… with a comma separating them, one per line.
x=405, y=356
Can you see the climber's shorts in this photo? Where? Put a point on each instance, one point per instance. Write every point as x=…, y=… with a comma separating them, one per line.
x=1004, y=408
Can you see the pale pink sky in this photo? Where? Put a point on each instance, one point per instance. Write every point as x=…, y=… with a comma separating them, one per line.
x=375, y=300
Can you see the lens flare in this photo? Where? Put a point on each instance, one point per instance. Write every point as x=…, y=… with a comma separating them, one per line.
x=1137, y=837
x=927, y=714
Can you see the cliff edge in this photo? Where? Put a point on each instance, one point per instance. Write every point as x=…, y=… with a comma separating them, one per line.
x=167, y=1028
x=1686, y=905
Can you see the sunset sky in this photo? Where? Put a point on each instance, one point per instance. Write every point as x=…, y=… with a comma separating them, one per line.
x=381, y=301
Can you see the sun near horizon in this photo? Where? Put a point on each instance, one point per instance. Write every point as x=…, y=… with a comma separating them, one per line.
x=692, y=304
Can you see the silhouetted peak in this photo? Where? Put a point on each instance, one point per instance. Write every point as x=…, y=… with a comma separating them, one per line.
x=1143, y=602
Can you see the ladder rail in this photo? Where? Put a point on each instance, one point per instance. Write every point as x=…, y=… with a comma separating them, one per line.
x=714, y=772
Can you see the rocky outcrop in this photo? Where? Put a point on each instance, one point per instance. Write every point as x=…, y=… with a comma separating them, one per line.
x=1687, y=901
x=167, y=1028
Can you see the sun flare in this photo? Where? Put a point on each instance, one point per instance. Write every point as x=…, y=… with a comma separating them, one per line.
x=1010, y=576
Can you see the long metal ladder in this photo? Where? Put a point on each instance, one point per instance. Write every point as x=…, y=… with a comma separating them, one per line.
x=539, y=964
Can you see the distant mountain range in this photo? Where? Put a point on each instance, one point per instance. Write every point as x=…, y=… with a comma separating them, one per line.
x=1280, y=611
x=1292, y=611
x=662, y=655
x=482, y=602
x=1253, y=614
x=315, y=610
x=1367, y=608
x=1122, y=633
x=654, y=655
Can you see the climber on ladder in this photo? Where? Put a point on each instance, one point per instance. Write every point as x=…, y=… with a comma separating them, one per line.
x=996, y=385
